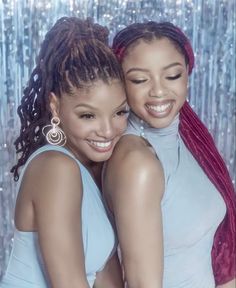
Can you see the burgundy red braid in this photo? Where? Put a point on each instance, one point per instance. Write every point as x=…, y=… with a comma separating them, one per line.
x=201, y=144
x=198, y=140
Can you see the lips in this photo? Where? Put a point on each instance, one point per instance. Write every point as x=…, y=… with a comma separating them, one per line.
x=159, y=110
x=100, y=146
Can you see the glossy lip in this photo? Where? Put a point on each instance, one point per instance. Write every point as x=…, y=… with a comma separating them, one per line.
x=158, y=114
x=100, y=149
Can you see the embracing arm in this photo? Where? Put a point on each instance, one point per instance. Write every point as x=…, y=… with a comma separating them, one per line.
x=231, y=284
x=57, y=203
x=135, y=186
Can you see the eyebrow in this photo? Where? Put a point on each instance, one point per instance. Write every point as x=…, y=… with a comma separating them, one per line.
x=146, y=70
x=172, y=64
x=94, y=108
x=125, y=101
x=85, y=106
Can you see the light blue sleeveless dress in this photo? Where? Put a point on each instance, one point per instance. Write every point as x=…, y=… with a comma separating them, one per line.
x=26, y=268
x=192, y=208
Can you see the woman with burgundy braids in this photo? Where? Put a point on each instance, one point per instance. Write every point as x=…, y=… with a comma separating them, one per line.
x=166, y=184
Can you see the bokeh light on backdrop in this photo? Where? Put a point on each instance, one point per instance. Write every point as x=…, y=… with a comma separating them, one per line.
x=210, y=25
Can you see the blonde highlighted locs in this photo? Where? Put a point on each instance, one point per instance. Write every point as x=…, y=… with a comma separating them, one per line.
x=74, y=53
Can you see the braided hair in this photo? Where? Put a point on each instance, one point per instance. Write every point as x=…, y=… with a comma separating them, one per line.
x=198, y=140
x=130, y=36
x=74, y=53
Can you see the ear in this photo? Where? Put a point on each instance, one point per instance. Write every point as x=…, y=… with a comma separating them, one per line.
x=54, y=103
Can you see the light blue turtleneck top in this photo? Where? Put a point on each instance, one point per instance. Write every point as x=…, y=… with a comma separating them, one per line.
x=26, y=268
x=192, y=208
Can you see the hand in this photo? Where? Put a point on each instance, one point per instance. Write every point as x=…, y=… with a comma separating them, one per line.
x=231, y=284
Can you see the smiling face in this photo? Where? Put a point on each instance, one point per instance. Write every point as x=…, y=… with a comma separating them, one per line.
x=93, y=119
x=156, y=81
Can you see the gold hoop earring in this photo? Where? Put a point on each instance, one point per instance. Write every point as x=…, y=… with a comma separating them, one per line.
x=55, y=135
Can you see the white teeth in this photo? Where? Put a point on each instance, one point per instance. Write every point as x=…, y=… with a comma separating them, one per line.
x=159, y=108
x=101, y=144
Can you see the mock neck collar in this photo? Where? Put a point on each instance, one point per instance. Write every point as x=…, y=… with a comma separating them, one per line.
x=146, y=130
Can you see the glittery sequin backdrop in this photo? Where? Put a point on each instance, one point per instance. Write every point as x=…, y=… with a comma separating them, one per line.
x=209, y=24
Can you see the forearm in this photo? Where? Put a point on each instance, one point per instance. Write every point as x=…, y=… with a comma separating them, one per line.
x=144, y=285
x=111, y=275
x=76, y=285
x=231, y=284
x=143, y=280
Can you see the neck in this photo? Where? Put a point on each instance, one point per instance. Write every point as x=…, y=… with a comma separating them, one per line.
x=96, y=172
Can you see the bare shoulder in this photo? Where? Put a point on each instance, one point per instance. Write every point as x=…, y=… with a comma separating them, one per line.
x=49, y=170
x=51, y=184
x=133, y=156
x=53, y=158
x=133, y=167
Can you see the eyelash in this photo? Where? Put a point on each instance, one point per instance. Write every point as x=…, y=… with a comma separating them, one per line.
x=138, y=81
x=86, y=116
x=174, y=77
x=122, y=112
x=168, y=78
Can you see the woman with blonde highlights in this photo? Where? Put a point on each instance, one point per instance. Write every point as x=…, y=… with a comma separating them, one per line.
x=72, y=114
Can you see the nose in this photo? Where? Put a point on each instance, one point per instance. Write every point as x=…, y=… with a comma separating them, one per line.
x=157, y=89
x=106, y=129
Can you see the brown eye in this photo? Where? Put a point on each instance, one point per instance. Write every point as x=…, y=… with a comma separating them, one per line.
x=122, y=112
x=86, y=116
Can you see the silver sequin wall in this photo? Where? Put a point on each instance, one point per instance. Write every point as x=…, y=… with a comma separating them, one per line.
x=209, y=24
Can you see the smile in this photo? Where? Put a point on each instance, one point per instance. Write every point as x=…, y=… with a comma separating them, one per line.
x=159, y=108
x=101, y=144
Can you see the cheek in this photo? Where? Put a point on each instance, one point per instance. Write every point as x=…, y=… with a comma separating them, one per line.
x=134, y=94
x=184, y=89
x=184, y=84
x=131, y=90
x=84, y=128
x=120, y=126
x=180, y=88
x=76, y=128
x=135, y=101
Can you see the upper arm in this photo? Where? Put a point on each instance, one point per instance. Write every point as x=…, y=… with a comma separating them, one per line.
x=135, y=184
x=57, y=203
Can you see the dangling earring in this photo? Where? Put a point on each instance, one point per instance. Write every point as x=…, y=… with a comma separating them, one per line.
x=55, y=135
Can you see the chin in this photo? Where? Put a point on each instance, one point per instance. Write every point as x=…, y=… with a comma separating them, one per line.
x=161, y=123
x=101, y=158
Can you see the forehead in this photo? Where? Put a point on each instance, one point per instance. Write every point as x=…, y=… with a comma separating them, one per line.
x=95, y=86
x=157, y=50
x=95, y=91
